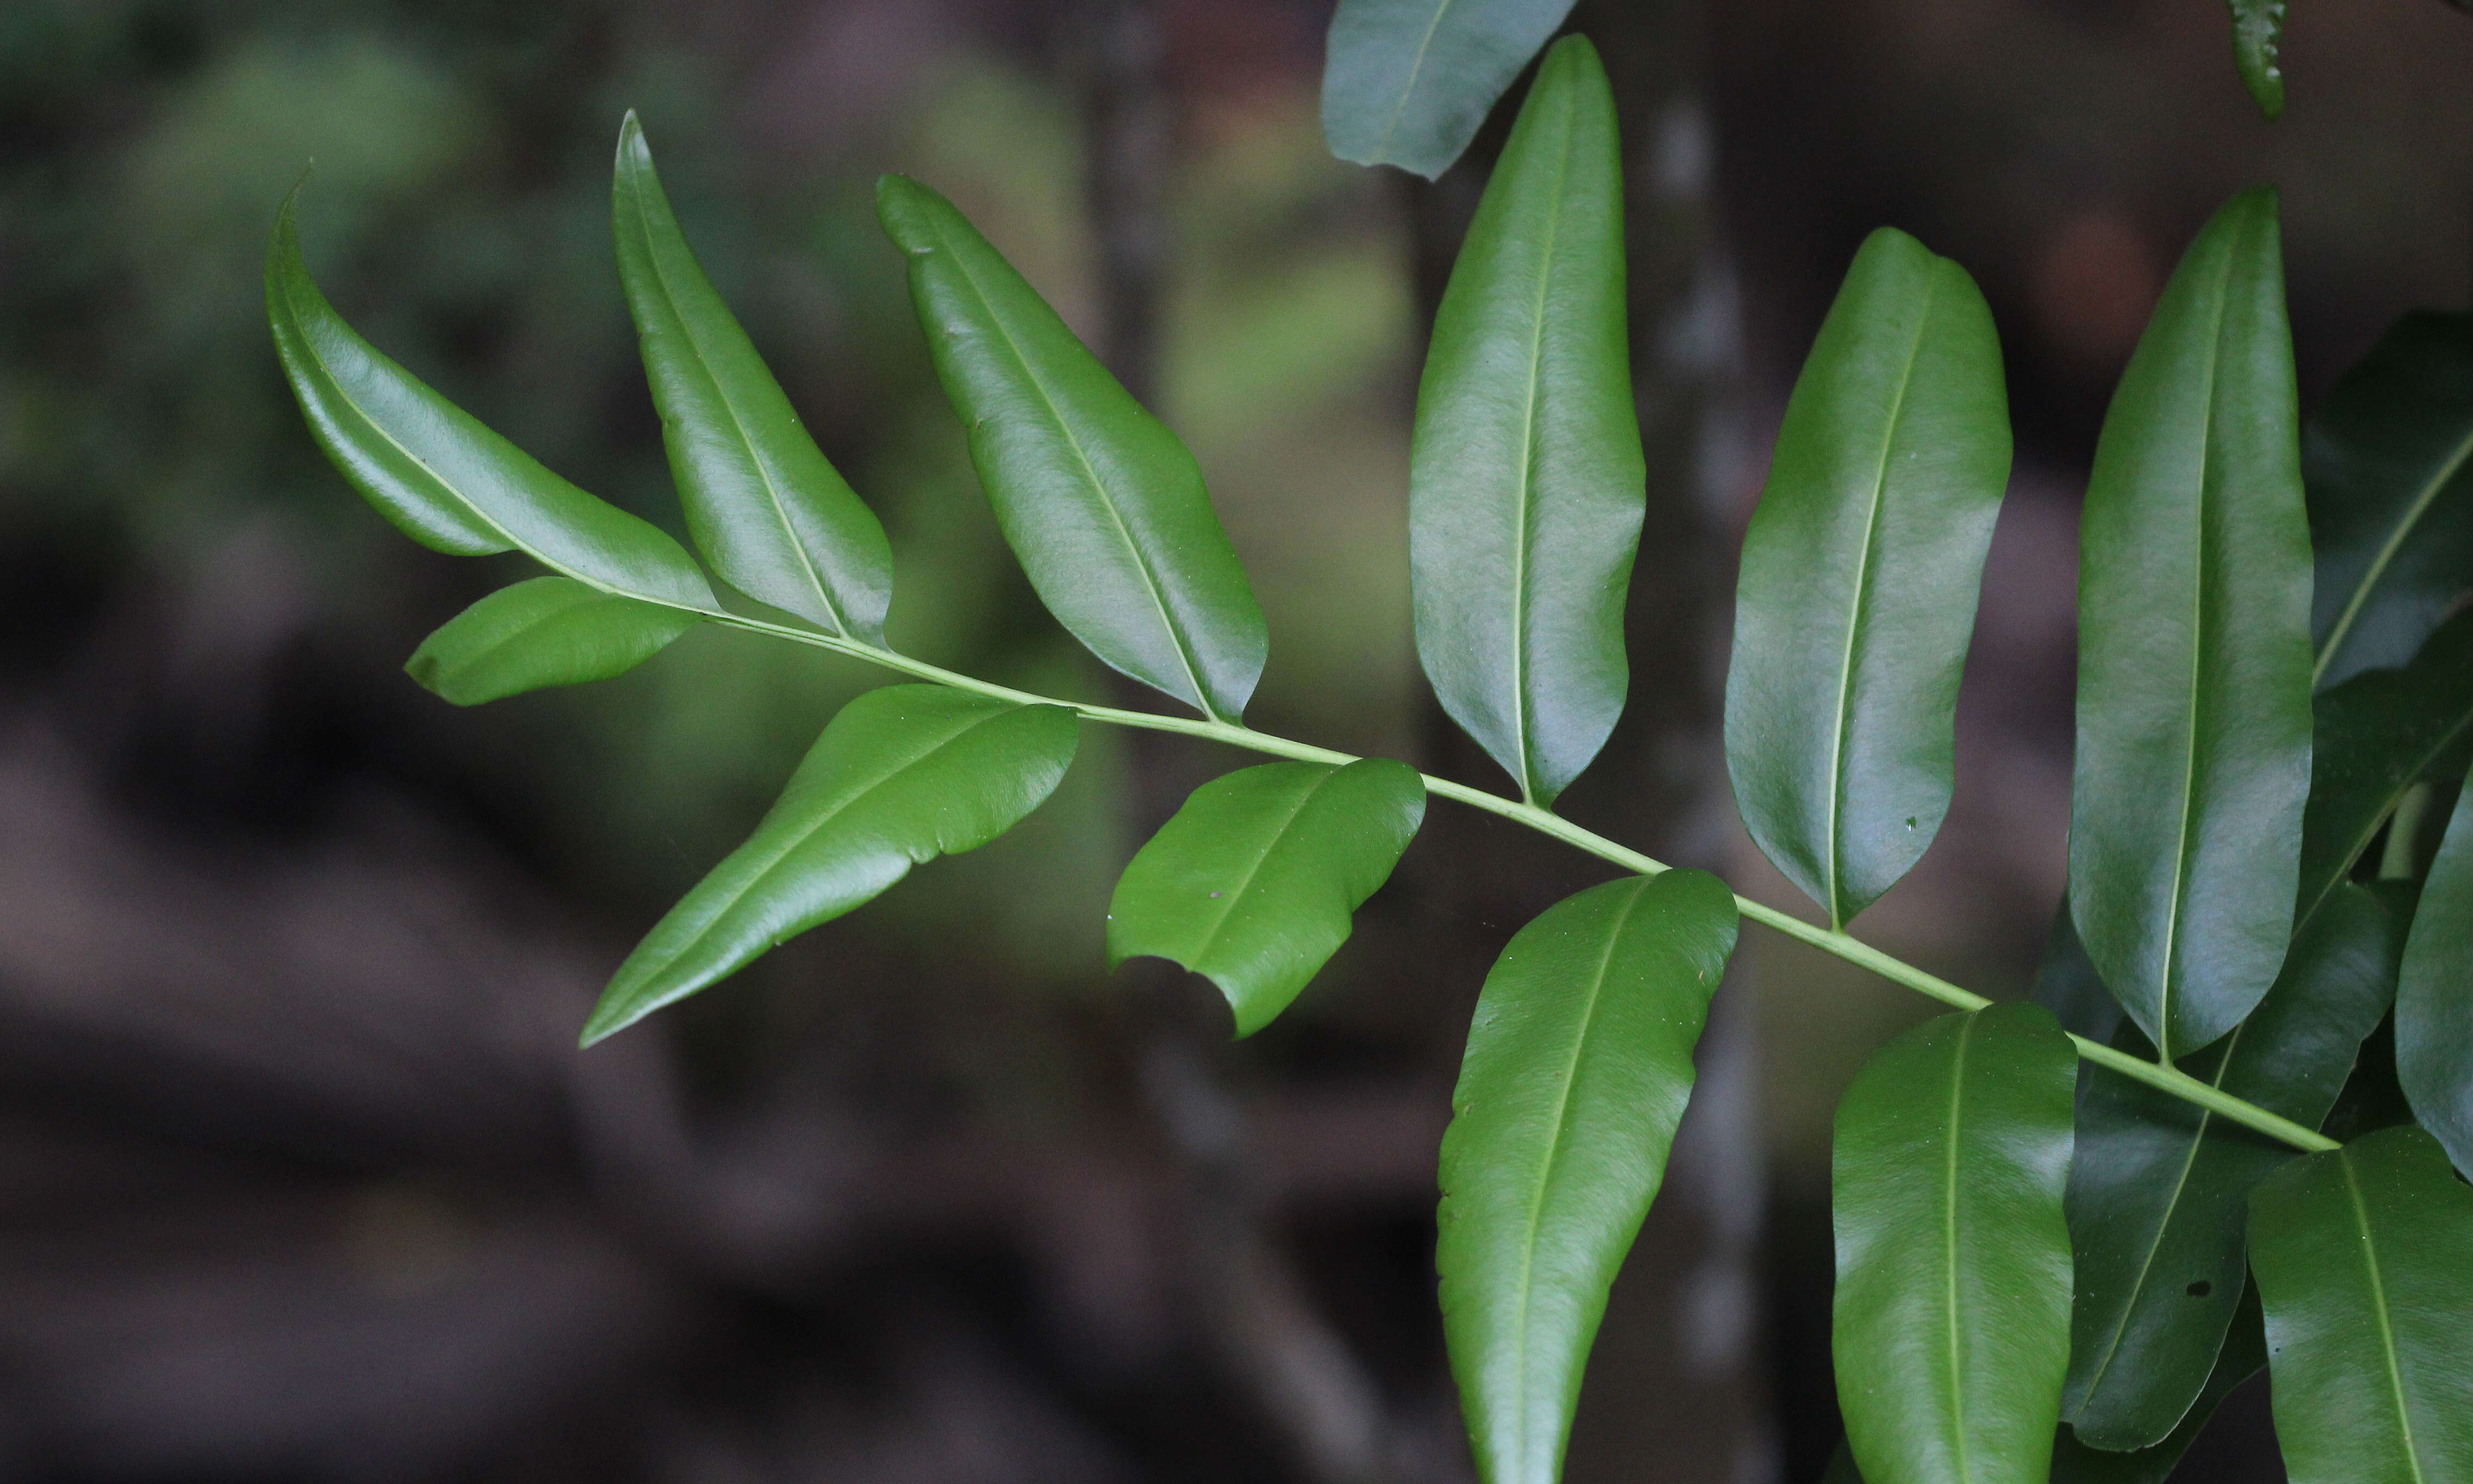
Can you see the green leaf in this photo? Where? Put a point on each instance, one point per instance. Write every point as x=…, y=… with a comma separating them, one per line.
x=2067, y=985
x=904, y=774
x=2159, y=1188
x=1952, y=1321
x=2243, y=1356
x=2194, y=649
x=1860, y=575
x=1579, y=1064
x=550, y=631
x=438, y=475
x=2362, y=1259
x=1527, y=485
x=1254, y=882
x=777, y=521
x=2433, y=1024
x=2258, y=34
x=2392, y=494
x=1103, y=504
x=1406, y=83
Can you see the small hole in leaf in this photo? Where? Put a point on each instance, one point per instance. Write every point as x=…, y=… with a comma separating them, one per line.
x=1215, y=894
x=2199, y=1289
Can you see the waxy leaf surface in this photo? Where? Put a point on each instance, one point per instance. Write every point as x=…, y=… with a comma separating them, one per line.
x=1406, y=83
x=434, y=471
x=775, y=519
x=904, y=774
x=550, y=631
x=1579, y=1064
x=1951, y=1329
x=1255, y=882
x=1860, y=576
x=1102, y=504
x=2194, y=649
x=2243, y=1356
x=1526, y=482
x=2361, y=1259
x=2433, y=1024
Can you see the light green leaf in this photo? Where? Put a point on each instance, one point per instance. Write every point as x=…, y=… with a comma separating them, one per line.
x=901, y=776
x=1406, y=83
x=1579, y=1064
x=550, y=631
x=438, y=475
x=1527, y=485
x=1102, y=504
x=1951, y=1328
x=777, y=521
x=2258, y=37
x=2194, y=649
x=2389, y=461
x=2159, y=1188
x=2433, y=1024
x=2361, y=1255
x=1860, y=576
x=1254, y=882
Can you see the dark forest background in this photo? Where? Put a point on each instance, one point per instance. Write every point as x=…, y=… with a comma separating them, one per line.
x=301, y=1175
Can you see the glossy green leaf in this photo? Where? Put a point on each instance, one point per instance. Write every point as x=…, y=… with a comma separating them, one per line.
x=1579, y=1064
x=1527, y=484
x=2433, y=1024
x=2194, y=649
x=1860, y=576
x=551, y=631
x=2389, y=461
x=1406, y=83
x=1102, y=504
x=2363, y=1257
x=2067, y=985
x=1951, y=1328
x=2243, y=1356
x=2258, y=41
x=777, y=521
x=1255, y=882
x=904, y=774
x=438, y=474
x=2159, y=1188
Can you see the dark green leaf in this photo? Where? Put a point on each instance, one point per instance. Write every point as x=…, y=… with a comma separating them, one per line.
x=1528, y=485
x=1860, y=576
x=1406, y=83
x=551, y=631
x=903, y=775
x=2362, y=1259
x=440, y=476
x=777, y=521
x=2258, y=37
x=2194, y=649
x=2067, y=985
x=2159, y=1188
x=2392, y=494
x=1952, y=1322
x=2243, y=1356
x=1103, y=504
x=1579, y=1064
x=2434, y=1015
x=1253, y=884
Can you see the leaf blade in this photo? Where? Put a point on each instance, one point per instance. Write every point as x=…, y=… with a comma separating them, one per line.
x=776, y=519
x=544, y=631
x=2434, y=1025
x=1860, y=575
x=1528, y=485
x=1408, y=82
x=1557, y=1081
x=2258, y=39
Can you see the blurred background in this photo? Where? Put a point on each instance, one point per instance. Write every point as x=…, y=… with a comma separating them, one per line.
x=301, y=1175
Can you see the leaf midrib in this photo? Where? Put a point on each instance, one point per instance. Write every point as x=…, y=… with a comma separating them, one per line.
x=1209, y=939
x=1523, y=724
x=2447, y=470
x=2379, y=1310
x=1408, y=87
x=1949, y=1252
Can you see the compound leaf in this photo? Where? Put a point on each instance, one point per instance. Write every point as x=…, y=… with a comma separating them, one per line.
x=2258, y=39
x=1102, y=504
x=2194, y=649
x=1408, y=82
x=2359, y=1254
x=1579, y=1064
x=904, y=774
x=550, y=631
x=1860, y=576
x=777, y=521
x=435, y=472
x=1951, y=1329
x=2433, y=1024
x=1526, y=482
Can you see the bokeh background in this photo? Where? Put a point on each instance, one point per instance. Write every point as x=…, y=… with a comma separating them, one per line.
x=301, y=1175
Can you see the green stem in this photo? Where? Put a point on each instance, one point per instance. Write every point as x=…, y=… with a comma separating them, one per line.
x=2164, y=1078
